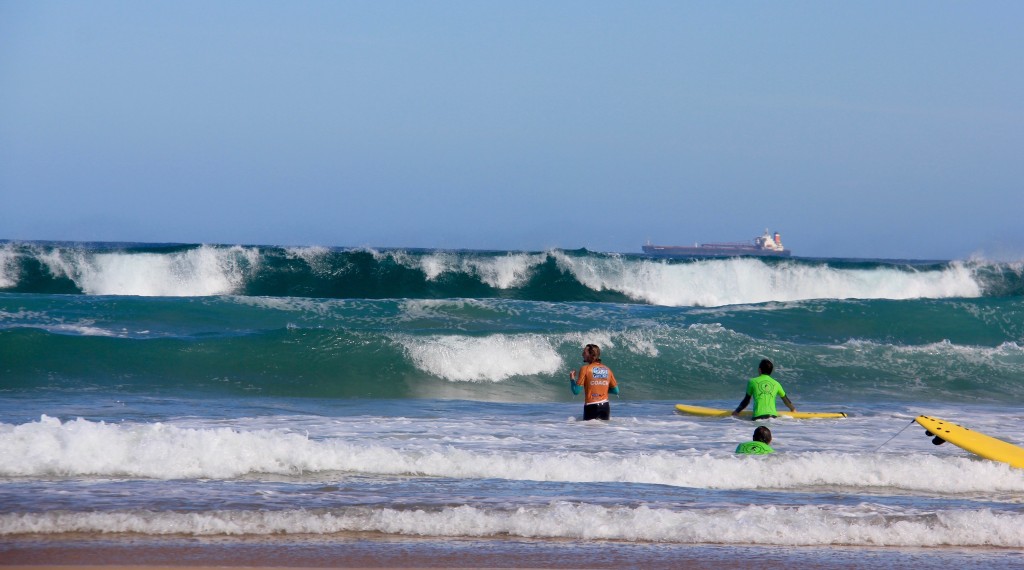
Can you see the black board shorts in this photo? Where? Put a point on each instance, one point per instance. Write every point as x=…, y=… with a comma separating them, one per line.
x=602, y=411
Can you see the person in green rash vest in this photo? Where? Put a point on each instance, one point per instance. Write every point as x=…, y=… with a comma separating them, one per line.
x=763, y=389
x=762, y=437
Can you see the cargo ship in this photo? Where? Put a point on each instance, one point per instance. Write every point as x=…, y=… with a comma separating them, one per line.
x=767, y=245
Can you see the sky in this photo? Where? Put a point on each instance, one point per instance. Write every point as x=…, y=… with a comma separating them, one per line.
x=872, y=129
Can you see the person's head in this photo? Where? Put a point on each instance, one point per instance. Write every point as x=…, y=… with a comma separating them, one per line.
x=766, y=367
x=763, y=434
x=591, y=353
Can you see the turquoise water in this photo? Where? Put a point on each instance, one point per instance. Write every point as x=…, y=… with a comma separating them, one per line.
x=245, y=391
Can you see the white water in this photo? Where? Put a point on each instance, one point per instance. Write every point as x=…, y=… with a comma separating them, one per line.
x=213, y=270
x=500, y=271
x=719, y=282
x=701, y=454
x=861, y=525
x=653, y=477
x=8, y=266
x=202, y=271
x=499, y=357
x=490, y=358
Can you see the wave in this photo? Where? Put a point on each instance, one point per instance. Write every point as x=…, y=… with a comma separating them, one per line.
x=76, y=448
x=492, y=358
x=505, y=350
x=556, y=275
x=865, y=525
x=334, y=463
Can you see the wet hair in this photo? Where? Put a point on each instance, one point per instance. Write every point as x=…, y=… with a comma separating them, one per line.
x=594, y=351
x=766, y=367
x=763, y=434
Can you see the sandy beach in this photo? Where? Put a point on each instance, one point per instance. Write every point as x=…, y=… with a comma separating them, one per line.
x=351, y=551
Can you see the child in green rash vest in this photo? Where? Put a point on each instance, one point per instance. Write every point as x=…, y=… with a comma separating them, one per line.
x=763, y=389
x=762, y=437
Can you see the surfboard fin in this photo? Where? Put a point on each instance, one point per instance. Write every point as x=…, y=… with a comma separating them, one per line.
x=937, y=440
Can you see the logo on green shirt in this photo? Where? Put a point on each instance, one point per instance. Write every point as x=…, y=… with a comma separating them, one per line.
x=763, y=390
x=754, y=448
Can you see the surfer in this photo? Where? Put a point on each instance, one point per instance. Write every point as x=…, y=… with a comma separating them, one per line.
x=762, y=437
x=597, y=381
x=763, y=389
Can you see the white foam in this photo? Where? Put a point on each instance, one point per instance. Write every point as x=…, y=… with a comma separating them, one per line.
x=913, y=361
x=507, y=271
x=83, y=329
x=861, y=525
x=313, y=306
x=316, y=257
x=12, y=319
x=640, y=341
x=500, y=271
x=8, y=266
x=490, y=358
x=80, y=447
x=201, y=271
x=432, y=309
x=721, y=282
x=44, y=321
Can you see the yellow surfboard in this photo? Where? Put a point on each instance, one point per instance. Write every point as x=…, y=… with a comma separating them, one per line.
x=973, y=441
x=719, y=413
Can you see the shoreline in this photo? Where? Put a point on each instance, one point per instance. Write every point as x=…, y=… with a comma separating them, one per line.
x=93, y=552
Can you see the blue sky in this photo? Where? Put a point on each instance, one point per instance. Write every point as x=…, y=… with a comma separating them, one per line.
x=859, y=129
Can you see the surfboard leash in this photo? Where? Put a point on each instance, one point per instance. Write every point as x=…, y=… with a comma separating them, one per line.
x=894, y=437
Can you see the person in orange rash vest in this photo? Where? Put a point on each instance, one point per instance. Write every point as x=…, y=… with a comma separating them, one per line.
x=597, y=381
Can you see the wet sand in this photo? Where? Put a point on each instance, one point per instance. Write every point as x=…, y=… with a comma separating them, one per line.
x=92, y=552
x=343, y=552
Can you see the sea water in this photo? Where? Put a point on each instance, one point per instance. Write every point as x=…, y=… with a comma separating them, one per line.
x=238, y=391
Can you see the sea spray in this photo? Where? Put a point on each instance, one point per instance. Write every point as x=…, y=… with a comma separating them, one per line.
x=555, y=275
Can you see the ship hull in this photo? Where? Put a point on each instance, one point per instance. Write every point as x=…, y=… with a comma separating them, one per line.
x=712, y=251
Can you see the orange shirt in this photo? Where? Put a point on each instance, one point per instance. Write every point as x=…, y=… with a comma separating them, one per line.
x=596, y=379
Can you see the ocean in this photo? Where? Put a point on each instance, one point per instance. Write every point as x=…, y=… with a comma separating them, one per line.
x=413, y=405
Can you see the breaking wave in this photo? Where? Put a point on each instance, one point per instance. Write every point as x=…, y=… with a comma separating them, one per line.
x=556, y=275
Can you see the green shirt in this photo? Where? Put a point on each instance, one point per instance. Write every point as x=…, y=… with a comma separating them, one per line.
x=763, y=390
x=754, y=448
